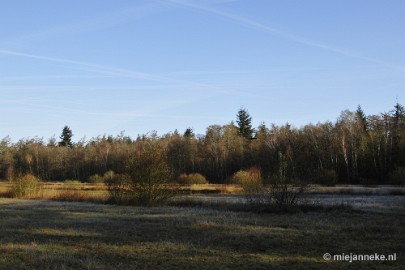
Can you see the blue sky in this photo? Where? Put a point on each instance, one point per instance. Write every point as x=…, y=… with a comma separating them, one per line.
x=104, y=66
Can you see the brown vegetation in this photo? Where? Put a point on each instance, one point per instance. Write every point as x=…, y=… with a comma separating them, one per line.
x=26, y=187
x=357, y=149
x=192, y=179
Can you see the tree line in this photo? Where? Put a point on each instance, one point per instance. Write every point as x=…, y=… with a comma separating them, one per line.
x=356, y=148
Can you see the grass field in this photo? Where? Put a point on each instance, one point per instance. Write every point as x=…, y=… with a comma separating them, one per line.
x=72, y=235
x=76, y=191
x=49, y=234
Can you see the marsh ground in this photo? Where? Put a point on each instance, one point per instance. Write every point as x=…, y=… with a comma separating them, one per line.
x=42, y=234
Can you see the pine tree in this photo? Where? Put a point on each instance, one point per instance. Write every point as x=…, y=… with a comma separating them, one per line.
x=397, y=131
x=398, y=115
x=244, y=123
x=66, y=137
x=189, y=133
x=361, y=119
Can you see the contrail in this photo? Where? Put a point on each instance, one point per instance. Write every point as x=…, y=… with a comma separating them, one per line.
x=98, y=68
x=105, y=69
x=296, y=38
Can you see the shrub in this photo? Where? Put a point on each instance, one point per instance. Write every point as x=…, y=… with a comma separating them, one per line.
x=192, y=179
x=147, y=180
x=119, y=188
x=285, y=192
x=27, y=186
x=397, y=177
x=183, y=179
x=250, y=181
x=10, y=173
x=96, y=179
x=72, y=182
x=150, y=177
x=108, y=176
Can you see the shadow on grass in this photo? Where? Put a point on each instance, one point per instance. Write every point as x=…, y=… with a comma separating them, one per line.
x=262, y=208
x=49, y=235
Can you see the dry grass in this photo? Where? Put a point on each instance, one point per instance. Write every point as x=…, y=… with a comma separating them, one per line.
x=260, y=208
x=57, y=189
x=64, y=191
x=77, y=192
x=77, y=196
x=66, y=235
x=357, y=190
x=203, y=235
x=210, y=189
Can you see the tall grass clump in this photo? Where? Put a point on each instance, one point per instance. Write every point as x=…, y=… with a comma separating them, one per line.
x=27, y=186
x=192, y=179
x=250, y=180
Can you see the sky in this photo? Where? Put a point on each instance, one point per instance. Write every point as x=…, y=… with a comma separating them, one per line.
x=106, y=67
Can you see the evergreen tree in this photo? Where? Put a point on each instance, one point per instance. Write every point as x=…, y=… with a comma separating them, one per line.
x=189, y=133
x=398, y=115
x=66, y=137
x=361, y=119
x=398, y=130
x=244, y=123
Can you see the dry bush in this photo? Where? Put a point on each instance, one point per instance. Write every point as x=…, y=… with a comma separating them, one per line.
x=72, y=184
x=147, y=179
x=27, y=186
x=119, y=188
x=183, y=179
x=124, y=189
x=283, y=194
x=286, y=192
x=150, y=175
x=107, y=176
x=250, y=181
x=96, y=178
x=192, y=179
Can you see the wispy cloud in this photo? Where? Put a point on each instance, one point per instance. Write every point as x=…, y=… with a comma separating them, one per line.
x=71, y=107
x=95, y=67
x=283, y=34
x=99, y=22
x=154, y=108
x=102, y=69
x=50, y=77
